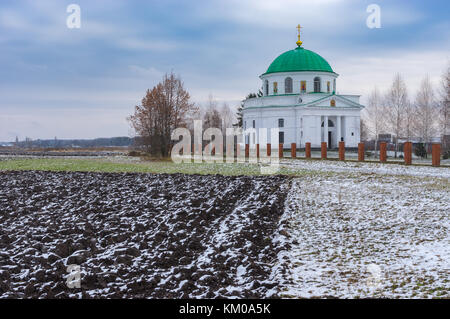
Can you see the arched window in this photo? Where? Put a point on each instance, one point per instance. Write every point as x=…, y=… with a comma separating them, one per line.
x=316, y=84
x=330, y=123
x=332, y=103
x=266, y=87
x=275, y=87
x=288, y=85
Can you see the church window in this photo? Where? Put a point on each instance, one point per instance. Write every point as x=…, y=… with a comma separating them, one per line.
x=254, y=124
x=275, y=87
x=328, y=86
x=280, y=122
x=266, y=87
x=317, y=84
x=332, y=103
x=245, y=125
x=288, y=85
x=330, y=123
x=281, y=137
x=303, y=86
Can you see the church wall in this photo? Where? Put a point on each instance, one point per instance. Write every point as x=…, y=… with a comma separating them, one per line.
x=297, y=77
x=308, y=120
x=351, y=126
x=289, y=100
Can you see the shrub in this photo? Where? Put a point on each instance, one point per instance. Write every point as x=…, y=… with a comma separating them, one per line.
x=420, y=150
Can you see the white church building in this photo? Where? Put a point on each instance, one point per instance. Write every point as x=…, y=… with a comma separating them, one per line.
x=299, y=98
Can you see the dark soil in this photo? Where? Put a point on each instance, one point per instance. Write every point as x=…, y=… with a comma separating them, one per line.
x=138, y=235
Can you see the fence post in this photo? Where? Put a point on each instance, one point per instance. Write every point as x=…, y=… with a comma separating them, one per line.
x=308, y=150
x=436, y=154
x=342, y=151
x=293, y=150
x=407, y=156
x=257, y=150
x=323, y=150
x=280, y=150
x=247, y=150
x=361, y=152
x=269, y=149
x=383, y=152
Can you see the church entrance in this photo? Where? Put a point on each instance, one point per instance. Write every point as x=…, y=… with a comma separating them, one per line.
x=329, y=140
x=328, y=136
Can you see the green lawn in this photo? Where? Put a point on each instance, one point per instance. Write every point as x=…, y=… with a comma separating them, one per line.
x=105, y=165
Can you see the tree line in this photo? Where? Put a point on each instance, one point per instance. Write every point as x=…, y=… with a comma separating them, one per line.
x=122, y=141
x=422, y=117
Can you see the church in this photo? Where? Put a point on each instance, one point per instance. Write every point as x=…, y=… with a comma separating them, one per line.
x=299, y=98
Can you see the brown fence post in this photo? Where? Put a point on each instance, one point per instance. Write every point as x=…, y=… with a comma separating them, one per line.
x=383, y=152
x=407, y=150
x=323, y=150
x=257, y=150
x=269, y=149
x=308, y=150
x=436, y=154
x=247, y=150
x=342, y=151
x=361, y=152
x=293, y=150
x=280, y=150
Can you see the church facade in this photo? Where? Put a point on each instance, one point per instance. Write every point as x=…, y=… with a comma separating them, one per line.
x=299, y=98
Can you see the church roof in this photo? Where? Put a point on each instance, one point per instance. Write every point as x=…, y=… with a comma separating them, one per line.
x=299, y=59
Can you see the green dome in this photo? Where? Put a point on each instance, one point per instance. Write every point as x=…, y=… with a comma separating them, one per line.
x=299, y=59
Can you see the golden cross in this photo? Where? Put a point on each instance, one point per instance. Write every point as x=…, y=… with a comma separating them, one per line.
x=299, y=43
x=298, y=28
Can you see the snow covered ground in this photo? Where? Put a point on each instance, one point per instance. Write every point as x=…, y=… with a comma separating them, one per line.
x=357, y=168
x=369, y=230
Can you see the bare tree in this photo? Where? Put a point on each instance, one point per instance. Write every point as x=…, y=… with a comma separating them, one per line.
x=444, y=107
x=212, y=117
x=426, y=111
x=363, y=130
x=227, y=117
x=374, y=115
x=396, y=108
x=164, y=108
x=409, y=120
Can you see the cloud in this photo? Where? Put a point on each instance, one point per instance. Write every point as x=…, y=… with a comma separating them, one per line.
x=145, y=45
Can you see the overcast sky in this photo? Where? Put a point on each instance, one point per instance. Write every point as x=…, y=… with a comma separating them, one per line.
x=83, y=83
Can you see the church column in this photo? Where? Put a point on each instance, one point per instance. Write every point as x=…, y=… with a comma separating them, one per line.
x=325, y=129
x=338, y=129
x=319, y=130
x=344, y=126
x=296, y=140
